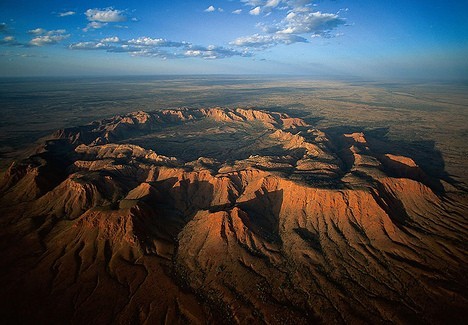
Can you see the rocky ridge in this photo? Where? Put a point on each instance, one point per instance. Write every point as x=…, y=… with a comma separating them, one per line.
x=294, y=226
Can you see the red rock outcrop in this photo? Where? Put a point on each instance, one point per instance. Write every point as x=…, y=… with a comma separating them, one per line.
x=310, y=229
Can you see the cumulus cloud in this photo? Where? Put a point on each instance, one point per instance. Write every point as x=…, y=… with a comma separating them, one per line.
x=48, y=37
x=10, y=41
x=158, y=47
x=269, y=5
x=272, y=3
x=276, y=3
x=213, y=9
x=266, y=41
x=300, y=23
x=237, y=12
x=89, y=46
x=255, y=11
x=106, y=15
x=213, y=52
x=113, y=39
x=41, y=37
x=309, y=22
x=253, y=3
x=155, y=53
x=157, y=42
x=94, y=25
x=66, y=13
x=114, y=43
x=37, y=31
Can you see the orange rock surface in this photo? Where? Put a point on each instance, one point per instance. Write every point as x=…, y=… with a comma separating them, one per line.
x=309, y=229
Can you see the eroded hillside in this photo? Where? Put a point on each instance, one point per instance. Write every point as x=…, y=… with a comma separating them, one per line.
x=238, y=215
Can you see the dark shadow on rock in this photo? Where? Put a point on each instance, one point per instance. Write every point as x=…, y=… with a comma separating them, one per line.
x=431, y=164
x=310, y=238
x=391, y=205
x=262, y=213
x=51, y=164
x=342, y=145
x=164, y=214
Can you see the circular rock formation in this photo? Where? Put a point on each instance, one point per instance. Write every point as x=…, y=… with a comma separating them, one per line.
x=227, y=215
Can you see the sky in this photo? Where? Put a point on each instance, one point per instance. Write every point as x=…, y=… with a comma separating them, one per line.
x=324, y=38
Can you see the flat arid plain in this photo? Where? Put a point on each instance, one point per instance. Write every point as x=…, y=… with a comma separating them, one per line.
x=233, y=199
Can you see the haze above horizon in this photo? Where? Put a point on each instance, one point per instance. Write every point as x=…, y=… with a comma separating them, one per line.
x=368, y=39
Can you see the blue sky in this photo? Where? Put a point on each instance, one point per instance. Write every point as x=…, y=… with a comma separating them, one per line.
x=361, y=38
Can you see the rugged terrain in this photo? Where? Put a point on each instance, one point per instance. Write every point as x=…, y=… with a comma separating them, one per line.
x=229, y=215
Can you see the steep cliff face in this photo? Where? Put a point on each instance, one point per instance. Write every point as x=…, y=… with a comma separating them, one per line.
x=294, y=226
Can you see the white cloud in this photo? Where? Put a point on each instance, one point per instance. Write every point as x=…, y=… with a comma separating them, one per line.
x=237, y=12
x=269, y=5
x=266, y=41
x=252, y=40
x=113, y=39
x=253, y=3
x=212, y=9
x=158, y=47
x=213, y=52
x=309, y=22
x=106, y=15
x=89, y=46
x=155, y=53
x=10, y=41
x=272, y=3
x=154, y=42
x=193, y=53
x=300, y=23
x=37, y=31
x=94, y=25
x=66, y=13
x=49, y=37
x=255, y=11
